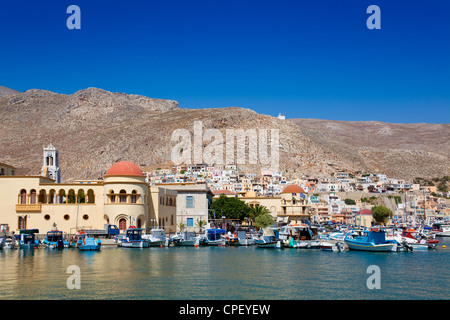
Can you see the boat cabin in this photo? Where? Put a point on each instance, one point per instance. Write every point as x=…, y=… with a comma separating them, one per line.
x=28, y=236
x=215, y=234
x=134, y=234
x=54, y=236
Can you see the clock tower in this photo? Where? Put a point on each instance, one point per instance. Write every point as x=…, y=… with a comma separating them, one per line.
x=50, y=166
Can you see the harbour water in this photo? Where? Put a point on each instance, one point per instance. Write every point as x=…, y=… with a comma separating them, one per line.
x=224, y=273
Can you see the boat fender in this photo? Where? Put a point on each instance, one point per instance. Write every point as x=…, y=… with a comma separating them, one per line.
x=235, y=234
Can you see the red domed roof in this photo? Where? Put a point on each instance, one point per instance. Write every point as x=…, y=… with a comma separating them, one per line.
x=293, y=188
x=124, y=168
x=365, y=212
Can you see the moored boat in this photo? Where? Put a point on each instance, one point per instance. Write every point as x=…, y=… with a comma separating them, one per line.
x=156, y=238
x=270, y=238
x=55, y=240
x=133, y=239
x=213, y=237
x=373, y=240
x=441, y=230
x=89, y=243
x=28, y=239
x=185, y=239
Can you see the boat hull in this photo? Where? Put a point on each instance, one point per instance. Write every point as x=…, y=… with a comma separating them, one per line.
x=28, y=246
x=134, y=244
x=90, y=248
x=358, y=246
x=157, y=243
x=213, y=243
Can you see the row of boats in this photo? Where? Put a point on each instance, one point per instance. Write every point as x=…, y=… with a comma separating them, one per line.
x=298, y=236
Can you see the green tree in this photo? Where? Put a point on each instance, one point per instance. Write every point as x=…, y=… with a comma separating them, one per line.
x=350, y=202
x=263, y=221
x=201, y=223
x=381, y=214
x=256, y=211
x=229, y=207
x=181, y=226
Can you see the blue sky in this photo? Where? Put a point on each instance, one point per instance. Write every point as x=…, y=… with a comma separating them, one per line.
x=305, y=59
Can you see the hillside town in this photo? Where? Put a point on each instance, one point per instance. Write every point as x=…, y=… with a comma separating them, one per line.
x=171, y=196
x=335, y=199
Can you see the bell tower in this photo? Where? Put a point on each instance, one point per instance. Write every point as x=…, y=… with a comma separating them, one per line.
x=50, y=166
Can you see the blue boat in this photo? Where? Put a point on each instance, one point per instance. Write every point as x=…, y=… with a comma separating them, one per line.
x=27, y=239
x=88, y=243
x=371, y=240
x=269, y=239
x=54, y=240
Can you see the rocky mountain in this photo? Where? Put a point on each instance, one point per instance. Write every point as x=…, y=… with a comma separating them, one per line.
x=94, y=128
x=4, y=91
x=396, y=149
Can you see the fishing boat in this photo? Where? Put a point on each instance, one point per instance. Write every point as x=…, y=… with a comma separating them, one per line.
x=7, y=241
x=89, y=243
x=373, y=239
x=244, y=239
x=185, y=239
x=55, y=240
x=441, y=230
x=156, y=238
x=270, y=238
x=28, y=239
x=328, y=246
x=301, y=236
x=133, y=239
x=231, y=239
x=213, y=237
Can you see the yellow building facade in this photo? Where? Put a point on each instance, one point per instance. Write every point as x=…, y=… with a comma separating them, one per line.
x=122, y=198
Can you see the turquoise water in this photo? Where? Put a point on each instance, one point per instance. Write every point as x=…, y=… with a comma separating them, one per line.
x=224, y=273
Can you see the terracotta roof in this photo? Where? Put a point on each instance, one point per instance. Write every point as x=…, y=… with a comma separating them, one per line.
x=365, y=212
x=293, y=188
x=223, y=192
x=124, y=168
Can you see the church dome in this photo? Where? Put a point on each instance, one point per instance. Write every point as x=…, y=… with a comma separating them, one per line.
x=124, y=168
x=293, y=189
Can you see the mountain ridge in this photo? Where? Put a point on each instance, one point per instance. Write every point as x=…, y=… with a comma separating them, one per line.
x=93, y=128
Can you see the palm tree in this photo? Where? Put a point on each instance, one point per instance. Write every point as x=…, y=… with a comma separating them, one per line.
x=201, y=223
x=181, y=226
x=256, y=211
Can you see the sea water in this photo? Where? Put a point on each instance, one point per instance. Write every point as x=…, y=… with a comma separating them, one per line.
x=224, y=273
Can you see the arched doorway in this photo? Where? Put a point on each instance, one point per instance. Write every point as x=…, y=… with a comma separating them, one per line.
x=122, y=224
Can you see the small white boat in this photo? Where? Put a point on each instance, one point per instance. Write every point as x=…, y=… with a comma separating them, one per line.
x=244, y=238
x=441, y=230
x=185, y=239
x=336, y=247
x=156, y=238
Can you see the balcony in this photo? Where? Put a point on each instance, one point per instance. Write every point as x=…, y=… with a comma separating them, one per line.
x=28, y=207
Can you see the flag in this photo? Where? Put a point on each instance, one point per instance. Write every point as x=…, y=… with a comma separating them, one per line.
x=302, y=195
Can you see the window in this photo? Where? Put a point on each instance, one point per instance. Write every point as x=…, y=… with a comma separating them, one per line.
x=190, y=222
x=133, y=196
x=47, y=217
x=23, y=196
x=66, y=217
x=33, y=196
x=189, y=201
x=123, y=196
x=85, y=217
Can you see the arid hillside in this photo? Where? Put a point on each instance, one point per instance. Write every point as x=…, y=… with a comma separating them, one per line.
x=397, y=149
x=94, y=128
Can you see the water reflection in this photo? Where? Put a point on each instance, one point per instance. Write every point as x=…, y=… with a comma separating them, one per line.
x=220, y=273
